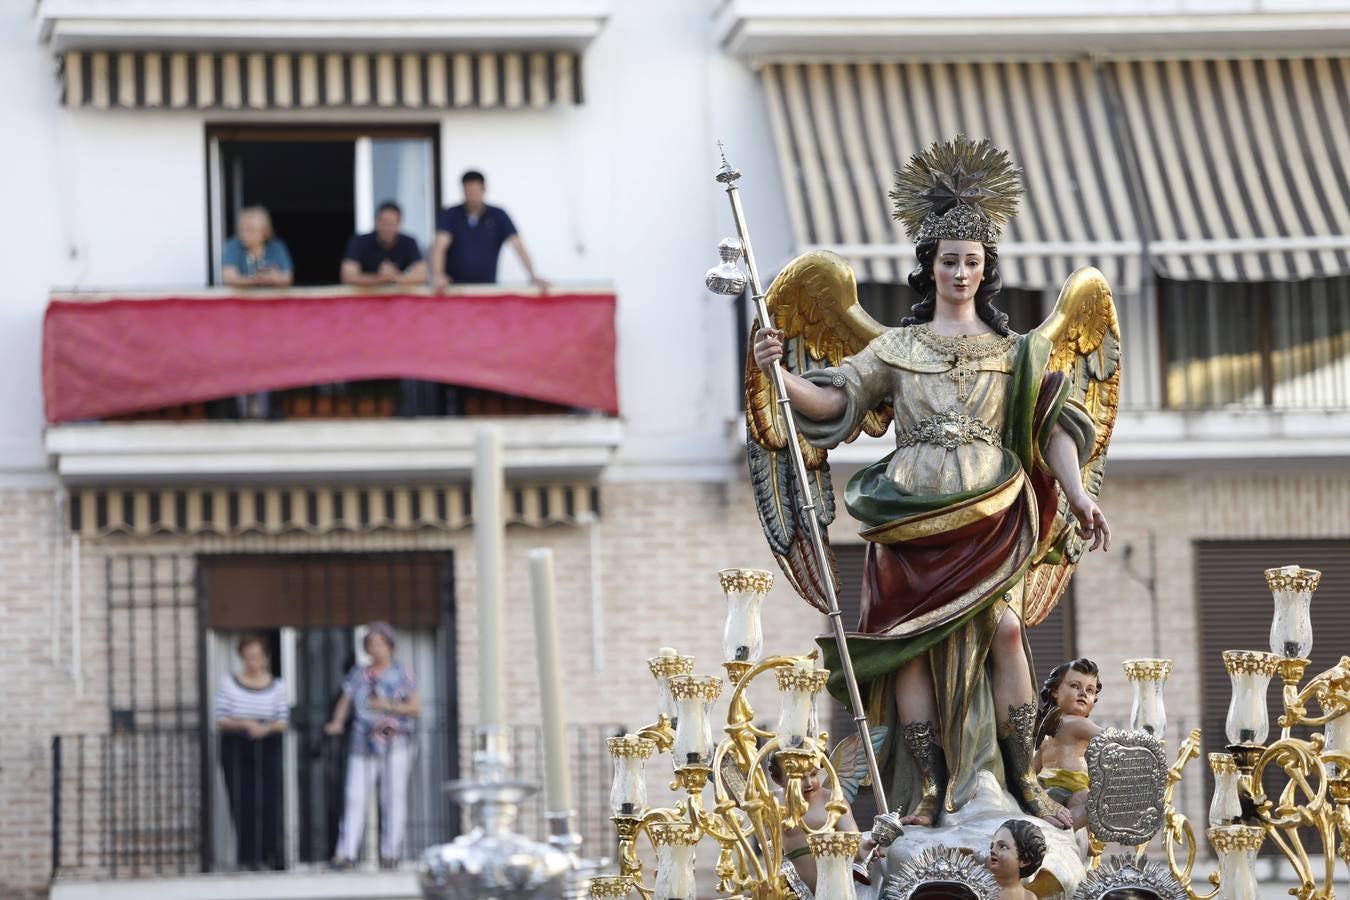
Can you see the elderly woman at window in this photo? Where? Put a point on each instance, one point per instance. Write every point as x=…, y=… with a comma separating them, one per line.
x=255, y=256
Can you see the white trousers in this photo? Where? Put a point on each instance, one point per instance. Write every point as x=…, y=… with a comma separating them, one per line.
x=391, y=769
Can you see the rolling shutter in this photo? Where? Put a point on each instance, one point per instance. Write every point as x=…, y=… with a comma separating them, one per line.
x=1235, y=609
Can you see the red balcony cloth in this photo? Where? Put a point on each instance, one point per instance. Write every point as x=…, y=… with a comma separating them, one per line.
x=109, y=357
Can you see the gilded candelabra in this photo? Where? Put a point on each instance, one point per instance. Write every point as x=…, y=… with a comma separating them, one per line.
x=747, y=818
x=1315, y=797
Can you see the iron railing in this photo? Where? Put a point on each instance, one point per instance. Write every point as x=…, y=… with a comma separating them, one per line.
x=380, y=399
x=135, y=804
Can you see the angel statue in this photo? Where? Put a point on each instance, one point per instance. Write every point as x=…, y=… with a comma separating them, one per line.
x=976, y=520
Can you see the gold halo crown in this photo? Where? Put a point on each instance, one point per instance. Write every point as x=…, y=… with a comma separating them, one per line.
x=963, y=190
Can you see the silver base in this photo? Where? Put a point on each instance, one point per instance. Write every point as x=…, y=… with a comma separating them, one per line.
x=492, y=862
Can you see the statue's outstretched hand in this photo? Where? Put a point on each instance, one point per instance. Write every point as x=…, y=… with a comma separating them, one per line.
x=1091, y=521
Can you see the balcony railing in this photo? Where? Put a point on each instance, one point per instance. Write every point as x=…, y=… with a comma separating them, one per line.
x=136, y=804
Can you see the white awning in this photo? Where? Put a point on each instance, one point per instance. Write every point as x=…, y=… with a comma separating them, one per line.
x=1241, y=164
x=126, y=79
x=842, y=130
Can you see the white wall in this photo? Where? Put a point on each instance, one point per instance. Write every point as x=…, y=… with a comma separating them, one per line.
x=32, y=249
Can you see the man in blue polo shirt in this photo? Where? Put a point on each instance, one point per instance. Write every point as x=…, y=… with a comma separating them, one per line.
x=385, y=256
x=469, y=239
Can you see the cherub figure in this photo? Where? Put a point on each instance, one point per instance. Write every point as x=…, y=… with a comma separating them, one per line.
x=850, y=764
x=1063, y=732
x=1015, y=852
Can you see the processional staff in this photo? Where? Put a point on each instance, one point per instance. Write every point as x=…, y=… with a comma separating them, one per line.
x=728, y=279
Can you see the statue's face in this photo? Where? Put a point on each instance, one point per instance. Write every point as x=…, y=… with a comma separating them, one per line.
x=1003, y=856
x=1077, y=693
x=958, y=269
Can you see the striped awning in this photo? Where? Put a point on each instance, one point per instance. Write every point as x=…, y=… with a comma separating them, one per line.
x=147, y=512
x=842, y=130
x=285, y=81
x=1242, y=165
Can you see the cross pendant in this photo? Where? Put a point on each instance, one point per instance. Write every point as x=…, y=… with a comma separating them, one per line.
x=962, y=373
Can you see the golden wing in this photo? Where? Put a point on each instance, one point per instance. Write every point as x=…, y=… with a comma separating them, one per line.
x=1085, y=336
x=814, y=301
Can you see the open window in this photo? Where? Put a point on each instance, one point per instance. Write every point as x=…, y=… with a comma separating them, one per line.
x=321, y=185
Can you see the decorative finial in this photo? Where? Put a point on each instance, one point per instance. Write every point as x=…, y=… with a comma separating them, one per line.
x=726, y=175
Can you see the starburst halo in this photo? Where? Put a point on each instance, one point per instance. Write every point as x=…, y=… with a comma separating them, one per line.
x=959, y=189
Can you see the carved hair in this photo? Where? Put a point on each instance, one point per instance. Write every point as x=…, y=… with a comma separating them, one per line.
x=923, y=283
x=1030, y=845
x=1049, y=715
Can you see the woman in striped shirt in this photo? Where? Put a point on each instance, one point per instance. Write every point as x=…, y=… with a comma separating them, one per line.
x=251, y=714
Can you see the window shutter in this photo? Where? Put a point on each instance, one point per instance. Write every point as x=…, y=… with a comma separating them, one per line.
x=1235, y=610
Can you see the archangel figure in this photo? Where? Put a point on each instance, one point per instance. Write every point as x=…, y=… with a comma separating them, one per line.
x=976, y=520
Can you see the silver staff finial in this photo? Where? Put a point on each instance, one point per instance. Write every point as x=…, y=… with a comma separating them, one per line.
x=726, y=175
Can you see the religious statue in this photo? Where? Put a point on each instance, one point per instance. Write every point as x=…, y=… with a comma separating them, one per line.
x=976, y=520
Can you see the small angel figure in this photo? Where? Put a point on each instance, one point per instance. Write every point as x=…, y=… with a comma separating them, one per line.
x=976, y=520
x=1015, y=852
x=1068, y=697
x=850, y=764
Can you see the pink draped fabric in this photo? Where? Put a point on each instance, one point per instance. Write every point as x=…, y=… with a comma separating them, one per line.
x=112, y=356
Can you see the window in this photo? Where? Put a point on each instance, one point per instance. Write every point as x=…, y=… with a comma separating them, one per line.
x=1284, y=345
x=321, y=186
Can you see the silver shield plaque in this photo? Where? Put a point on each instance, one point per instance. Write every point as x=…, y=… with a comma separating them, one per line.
x=1128, y=772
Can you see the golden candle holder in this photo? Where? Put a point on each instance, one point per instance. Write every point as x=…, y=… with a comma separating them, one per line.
x=1315, y=795
x=747, y=818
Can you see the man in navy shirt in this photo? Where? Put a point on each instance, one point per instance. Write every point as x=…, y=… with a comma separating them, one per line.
x=469, y=238
x=384, y=256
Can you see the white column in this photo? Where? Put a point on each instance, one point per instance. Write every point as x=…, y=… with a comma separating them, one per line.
x=489, y=528
x=558, y=785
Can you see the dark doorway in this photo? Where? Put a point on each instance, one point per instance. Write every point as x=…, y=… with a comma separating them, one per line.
x=307, y=188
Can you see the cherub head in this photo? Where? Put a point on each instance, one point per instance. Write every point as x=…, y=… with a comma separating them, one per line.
x=1016, y=851
x=1071, y=689
x=810, y=784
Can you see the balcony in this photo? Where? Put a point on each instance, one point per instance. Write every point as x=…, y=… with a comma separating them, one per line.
x=329, y=24
x=853, y=28
x=327, y=384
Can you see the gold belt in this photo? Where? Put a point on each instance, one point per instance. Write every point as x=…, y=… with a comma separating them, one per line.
x=948, y=429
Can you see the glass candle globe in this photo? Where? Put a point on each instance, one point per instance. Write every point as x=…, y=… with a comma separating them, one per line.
x=1147, y=678
x=743, y=636
x=664, y=666
x=628, y=791
x=1337, y=733
x=1291, y=633
x=675, y=842
x=1225, y=807
x=834, y=852
x=1236, y=846
x=1250, y=671
x=798, y=686
x=694, y=698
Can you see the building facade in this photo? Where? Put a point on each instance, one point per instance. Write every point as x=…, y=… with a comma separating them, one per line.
x=1188, y=150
